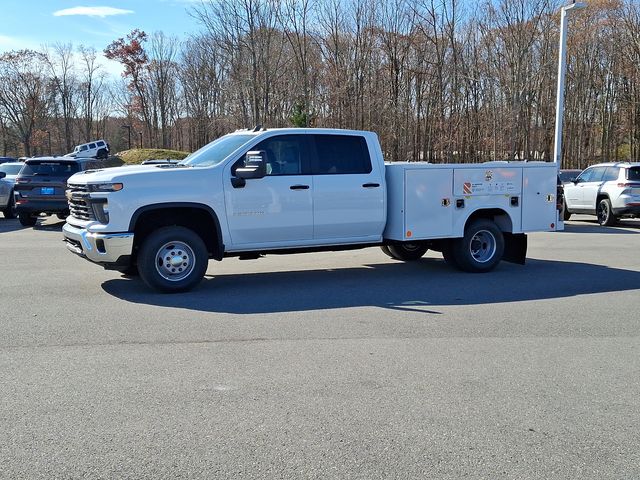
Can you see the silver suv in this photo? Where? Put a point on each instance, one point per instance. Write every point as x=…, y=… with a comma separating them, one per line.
x=607, y=190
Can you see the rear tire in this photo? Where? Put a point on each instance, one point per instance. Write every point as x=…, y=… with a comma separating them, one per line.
x=27, y=220
x=173, y=259
x=448, y=255
x=130, y=271
x=407, y=252
x=604, y=212
x=385, y=250
x=481, y=248
x=102, y=154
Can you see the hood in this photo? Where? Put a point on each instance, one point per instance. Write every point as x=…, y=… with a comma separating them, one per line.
x=115, y=174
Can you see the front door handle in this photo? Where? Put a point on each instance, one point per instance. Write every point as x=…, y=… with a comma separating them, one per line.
x=299, y=187
x=370, y=185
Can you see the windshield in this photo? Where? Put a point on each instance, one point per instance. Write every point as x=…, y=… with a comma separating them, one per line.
x=49, y=168
x=10, y=169
x=215, y=152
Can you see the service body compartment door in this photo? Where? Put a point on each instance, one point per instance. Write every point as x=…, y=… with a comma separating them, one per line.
x=539, y=187
x=429, y=203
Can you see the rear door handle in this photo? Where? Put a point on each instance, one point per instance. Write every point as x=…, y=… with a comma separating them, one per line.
x=370, y=185
x=299, y=187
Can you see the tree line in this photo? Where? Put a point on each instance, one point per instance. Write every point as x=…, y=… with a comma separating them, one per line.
x=438, y=80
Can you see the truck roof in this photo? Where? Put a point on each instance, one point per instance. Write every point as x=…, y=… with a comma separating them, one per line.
x=334, y=131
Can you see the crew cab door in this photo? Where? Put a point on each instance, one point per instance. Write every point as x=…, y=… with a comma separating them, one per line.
x=348, y=189
x=589, y=189
x=275, y=209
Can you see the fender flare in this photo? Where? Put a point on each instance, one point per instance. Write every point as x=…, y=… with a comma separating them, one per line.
x=218, y=253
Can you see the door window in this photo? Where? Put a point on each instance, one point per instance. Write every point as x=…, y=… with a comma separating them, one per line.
x=611, y=174
x=285, y=155
x=591, y=175
x=341, y=154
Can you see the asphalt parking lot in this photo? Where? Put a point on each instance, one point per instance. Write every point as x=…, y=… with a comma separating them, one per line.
x=333, y=365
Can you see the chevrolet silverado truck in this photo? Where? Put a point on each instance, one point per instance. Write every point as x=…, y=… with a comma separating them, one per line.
x=256, y=192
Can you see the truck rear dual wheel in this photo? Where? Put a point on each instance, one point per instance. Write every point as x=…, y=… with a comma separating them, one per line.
x=406, y=252
x=481, y=248
x=173, y=259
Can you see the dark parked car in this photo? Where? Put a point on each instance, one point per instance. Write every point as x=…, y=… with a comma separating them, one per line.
x=567, y=175
x=7, y=159
x=41, y=184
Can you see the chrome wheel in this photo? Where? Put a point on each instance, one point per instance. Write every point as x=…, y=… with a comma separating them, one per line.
x=603, y=213
x=482, y=246
x=175, y=261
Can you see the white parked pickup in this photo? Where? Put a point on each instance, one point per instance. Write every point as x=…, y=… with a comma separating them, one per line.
x=257, y=192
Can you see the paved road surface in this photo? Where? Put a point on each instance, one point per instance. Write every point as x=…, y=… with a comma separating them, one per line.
x=343, y=365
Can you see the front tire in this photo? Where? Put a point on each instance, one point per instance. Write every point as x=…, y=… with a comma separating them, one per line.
x=604, y=212
x=173, y=259
x=481, y=248
x=27, y=220
x=407, y=252
x=10, y=211
x=566, y=214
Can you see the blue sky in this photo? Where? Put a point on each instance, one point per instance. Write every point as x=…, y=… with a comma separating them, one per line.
x=33, y=23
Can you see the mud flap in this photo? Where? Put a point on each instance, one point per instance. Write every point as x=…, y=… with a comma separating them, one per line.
x=515, y=248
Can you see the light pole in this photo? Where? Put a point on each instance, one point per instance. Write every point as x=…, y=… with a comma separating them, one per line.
x=128, y=127
x=562, y=70
x=140, y=133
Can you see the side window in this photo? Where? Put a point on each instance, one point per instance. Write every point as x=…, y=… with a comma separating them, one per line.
x=342, y=154
x=83, y=148
x=611, y=174
x=598, y=173
x=92, y=145
x=100, y=143
x=286, y=154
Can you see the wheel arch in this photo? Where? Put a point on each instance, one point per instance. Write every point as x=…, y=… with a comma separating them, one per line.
x=515, y=244
x=198, y=217
x=497, y=215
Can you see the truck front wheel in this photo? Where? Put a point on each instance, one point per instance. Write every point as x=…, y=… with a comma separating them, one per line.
x=407, y=251
x=481, y=248
x=173, y=259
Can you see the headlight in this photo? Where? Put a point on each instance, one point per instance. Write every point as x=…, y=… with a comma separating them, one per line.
x=105, y=187
x=100, y=208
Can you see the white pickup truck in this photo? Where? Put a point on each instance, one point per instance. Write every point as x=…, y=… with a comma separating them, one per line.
x=257, y=192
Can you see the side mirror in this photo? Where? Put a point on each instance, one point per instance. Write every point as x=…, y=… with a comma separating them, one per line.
x=3, y=174
x=255, y=165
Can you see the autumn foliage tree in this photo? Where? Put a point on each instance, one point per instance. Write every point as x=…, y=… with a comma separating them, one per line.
x=131, y=54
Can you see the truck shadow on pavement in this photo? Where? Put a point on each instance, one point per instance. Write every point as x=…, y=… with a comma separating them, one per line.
x=419, y=286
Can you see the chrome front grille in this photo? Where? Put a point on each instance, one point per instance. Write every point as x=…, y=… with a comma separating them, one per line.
x=80, y=208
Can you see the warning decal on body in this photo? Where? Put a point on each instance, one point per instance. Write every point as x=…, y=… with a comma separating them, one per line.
x=466, y=188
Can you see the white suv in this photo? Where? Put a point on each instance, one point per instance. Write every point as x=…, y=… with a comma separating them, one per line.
x=95, y=149
x=607, y=190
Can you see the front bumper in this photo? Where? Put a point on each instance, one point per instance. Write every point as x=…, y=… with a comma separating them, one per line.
x=104, y=248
